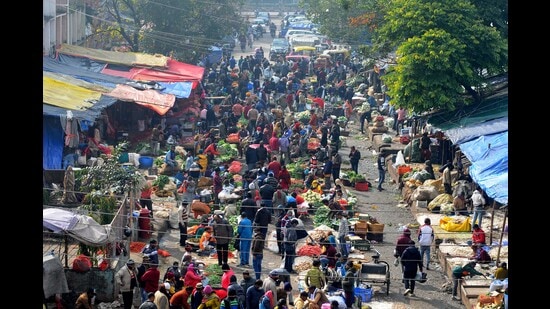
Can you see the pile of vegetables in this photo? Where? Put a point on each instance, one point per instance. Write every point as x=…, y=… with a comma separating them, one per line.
x=321, y=216
x=313, y=143
x=296, y=169
x=312, y=197
x=352, y=198
x=354, y=177
x=227, y=151
x=303, y=117
x=214, y=273
x=342, y=119
x=242, y=122
x=309, y=250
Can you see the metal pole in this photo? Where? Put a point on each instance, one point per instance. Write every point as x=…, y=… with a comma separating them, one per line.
x=69, y=40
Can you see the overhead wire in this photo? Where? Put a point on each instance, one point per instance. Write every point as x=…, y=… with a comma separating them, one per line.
x=167, y=37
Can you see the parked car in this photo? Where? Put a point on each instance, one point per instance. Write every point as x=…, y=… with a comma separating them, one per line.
x=291, y=32
x=259, y=23
x=279, y=47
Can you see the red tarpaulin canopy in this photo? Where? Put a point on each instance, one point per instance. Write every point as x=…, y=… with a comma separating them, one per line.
x=175, y=72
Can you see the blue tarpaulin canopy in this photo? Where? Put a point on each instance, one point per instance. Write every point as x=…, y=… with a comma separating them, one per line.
x=489, y=169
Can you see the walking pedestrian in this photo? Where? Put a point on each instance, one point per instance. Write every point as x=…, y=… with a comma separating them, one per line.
x=354, y=157
x=244, y=230
x=348, y=284
x=253, y=295
x=478, y=203
x=381, y=163
x=447, y=179
x=290, y=239
x=223, y=232
x=247, y=281
x=258, y=243
x=183, y=216
x=343, y=231
x=425, y=238
x=412, y=263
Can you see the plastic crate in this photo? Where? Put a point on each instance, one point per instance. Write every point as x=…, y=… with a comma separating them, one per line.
x=362, y=245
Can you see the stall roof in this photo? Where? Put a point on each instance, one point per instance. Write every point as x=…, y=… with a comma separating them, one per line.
x=91, y=113
x=174, y=72
x=491, y=108
x=464, y=134
x=63, y=94
x=489, y=157
x=481, y=132
x=124, y=58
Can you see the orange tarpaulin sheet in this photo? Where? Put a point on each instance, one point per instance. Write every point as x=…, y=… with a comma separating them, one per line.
x=151, y=99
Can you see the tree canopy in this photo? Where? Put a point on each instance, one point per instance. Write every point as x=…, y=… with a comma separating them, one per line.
x=183, y=29
x=445, y=50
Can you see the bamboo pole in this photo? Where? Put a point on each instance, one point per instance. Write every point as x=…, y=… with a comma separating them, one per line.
x=501, y=235
x=492, y=220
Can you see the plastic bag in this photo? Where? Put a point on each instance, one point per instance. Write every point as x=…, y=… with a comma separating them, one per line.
x=399, y=160
x=272, y=242
x=396, y=261
x=454, y=224
x=421, y=277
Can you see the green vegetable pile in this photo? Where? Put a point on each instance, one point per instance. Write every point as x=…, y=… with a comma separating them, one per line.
x=227, y=151
x=214, y=272
x=295, y=169
x=321, y=216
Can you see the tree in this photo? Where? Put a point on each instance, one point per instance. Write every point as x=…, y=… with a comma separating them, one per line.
x=343, y=20
x=183, y=29
x=444, y=50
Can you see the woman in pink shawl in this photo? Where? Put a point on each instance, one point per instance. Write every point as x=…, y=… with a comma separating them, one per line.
x=191, y=276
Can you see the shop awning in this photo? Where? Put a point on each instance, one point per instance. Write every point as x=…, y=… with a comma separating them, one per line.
x=174, y=72
x=62, y=94
x=151, y=99
x=124, y=58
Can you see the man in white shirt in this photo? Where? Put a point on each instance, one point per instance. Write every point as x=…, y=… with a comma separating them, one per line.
x=425, y=239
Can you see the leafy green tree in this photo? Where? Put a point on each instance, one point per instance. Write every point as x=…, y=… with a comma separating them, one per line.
x=183, y=29
x=494, y=13
x=444, y=50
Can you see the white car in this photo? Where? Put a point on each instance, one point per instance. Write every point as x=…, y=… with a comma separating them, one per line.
x=291, y=32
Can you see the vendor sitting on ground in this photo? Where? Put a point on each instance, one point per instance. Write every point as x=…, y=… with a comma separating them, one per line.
x=480, y=255
x=207, y=242
x=478, y=235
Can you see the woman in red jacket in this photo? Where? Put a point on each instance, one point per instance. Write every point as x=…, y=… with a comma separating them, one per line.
x=478, y=235
x=191, y=276
x=284, y=178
